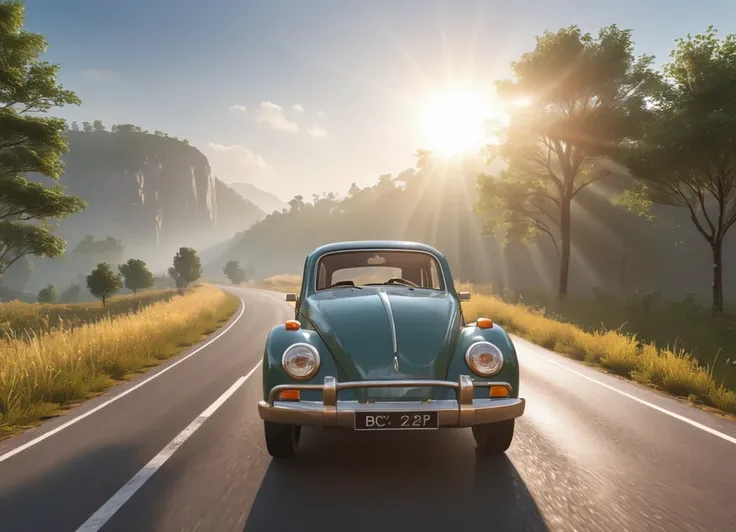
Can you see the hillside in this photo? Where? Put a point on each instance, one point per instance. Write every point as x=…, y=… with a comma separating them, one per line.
x=265, y=201
x=613, y=249
x=152, y=192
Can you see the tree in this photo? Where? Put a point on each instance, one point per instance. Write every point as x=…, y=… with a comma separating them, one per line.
x=687, y=157
x=109, y=249
x=98, y=126
x=48, y=294
x=71, y=294
x=103, y=282
x=29, y=142
x=136, y=274
x=75, y=126
x=576, y=102
x=234, y=272
x=87, y=127
x=187, y=267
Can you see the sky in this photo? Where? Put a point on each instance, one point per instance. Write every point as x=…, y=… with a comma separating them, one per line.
x=304, y=97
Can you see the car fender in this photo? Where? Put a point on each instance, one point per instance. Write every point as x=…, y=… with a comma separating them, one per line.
x=279, y=339
x=496, y=335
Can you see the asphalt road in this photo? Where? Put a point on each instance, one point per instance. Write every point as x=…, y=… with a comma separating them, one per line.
x=184, y=451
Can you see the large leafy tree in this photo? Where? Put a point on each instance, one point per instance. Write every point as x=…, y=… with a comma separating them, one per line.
x=29, y=142
x=687, y=156
x=579, y=100
x=136, y=275
x=187, y=267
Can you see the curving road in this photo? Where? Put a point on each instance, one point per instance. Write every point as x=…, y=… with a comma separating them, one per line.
x=181, y=449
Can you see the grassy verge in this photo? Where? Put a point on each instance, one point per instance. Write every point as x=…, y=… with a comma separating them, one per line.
x=286, y=283
x=19, y=319
x=45, y=372
x=672, y=370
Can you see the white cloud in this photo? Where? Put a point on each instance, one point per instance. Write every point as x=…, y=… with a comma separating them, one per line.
x=298, y=108
x=317, y=132
x=320, y=113
x=238, y=110
x=240, y=156
x=273, y=114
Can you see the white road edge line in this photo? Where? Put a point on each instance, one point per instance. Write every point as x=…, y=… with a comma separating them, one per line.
x=71, y=422
x=684, y=419
x=98, y=519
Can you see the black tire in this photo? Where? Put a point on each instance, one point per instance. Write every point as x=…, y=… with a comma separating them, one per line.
x=494, y=438
x=281, y=440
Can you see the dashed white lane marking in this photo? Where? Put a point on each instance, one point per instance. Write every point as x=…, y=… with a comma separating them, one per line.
x=98, y=519
x=80, y=417
x=684, y=419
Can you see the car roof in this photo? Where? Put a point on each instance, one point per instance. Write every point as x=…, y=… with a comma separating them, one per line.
x=374, y=244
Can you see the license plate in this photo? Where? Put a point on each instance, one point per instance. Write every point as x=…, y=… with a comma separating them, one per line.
x=396, y=420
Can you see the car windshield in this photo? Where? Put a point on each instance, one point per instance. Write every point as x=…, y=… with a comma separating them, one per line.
x=370, y=267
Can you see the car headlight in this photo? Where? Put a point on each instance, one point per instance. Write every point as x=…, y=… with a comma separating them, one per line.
x=300, y=361
x=484, y=358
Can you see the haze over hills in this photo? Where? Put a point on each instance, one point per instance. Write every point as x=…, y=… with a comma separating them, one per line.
x=265, y=201
x=613, y=249
x=152, y=192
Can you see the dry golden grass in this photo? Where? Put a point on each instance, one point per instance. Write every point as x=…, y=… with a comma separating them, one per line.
x=40, y=374
x=675, y=372
x=286, y=283
x=19, y=319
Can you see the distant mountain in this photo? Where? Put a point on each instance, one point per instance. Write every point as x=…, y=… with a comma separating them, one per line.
x=265, y=201
x=155, y=193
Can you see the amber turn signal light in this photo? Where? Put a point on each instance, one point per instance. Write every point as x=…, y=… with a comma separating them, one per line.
x=289, y=395
x=499, y=391
x=292, y=325
x=484, y=323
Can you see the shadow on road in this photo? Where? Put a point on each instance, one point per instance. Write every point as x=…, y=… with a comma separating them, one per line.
x=347, y=481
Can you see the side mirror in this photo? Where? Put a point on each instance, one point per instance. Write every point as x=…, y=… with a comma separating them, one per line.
x=291, y=298
x=463, y=296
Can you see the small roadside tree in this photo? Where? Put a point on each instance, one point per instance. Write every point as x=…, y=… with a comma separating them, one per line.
x=103, y=282
x=234, y=272
x=187, y=267
x=48, y=294
x=136, y=275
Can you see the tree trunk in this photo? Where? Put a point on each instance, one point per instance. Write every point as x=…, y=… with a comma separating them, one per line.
x=565, y=241
x=717, y=247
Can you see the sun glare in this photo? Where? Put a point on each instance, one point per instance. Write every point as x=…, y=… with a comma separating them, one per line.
x=456, y=121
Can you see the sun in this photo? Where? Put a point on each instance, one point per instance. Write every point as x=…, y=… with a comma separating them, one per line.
x=455, y=121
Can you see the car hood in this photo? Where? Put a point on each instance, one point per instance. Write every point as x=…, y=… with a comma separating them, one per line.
x=356, y=325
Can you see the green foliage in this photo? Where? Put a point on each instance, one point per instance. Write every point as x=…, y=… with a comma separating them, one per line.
x=29, y=142
x=583, y=101
x=47, y=294
x=687, y=156
x=103, y=282
x=87, y=127
x=136, y=274
x=187, y=267
x=234, y=272
x=98, y=126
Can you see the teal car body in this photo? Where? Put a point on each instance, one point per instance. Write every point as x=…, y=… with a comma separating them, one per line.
x=412, y=339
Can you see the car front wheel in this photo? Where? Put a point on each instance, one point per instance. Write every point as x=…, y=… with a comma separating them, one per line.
x=281, y=439
x=494, y=438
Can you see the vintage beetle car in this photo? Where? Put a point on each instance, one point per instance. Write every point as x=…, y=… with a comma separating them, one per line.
x=379, y=342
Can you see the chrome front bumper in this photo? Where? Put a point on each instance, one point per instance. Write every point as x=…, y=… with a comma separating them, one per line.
x=463, y=412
